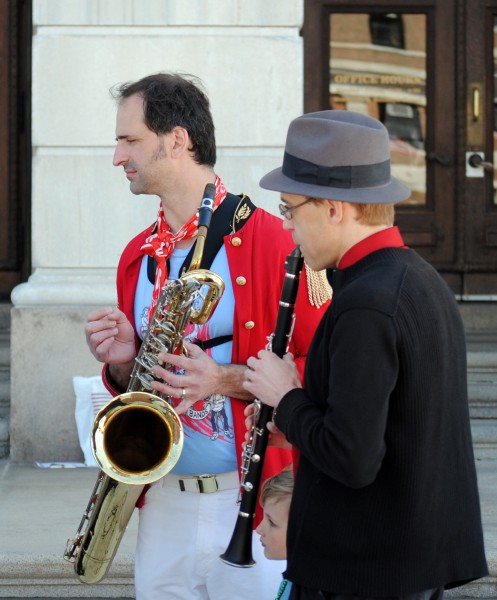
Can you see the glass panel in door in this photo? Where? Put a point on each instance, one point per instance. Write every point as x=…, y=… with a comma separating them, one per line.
x=377, y=66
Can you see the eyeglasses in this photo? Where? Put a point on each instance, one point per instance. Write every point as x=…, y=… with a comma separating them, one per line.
x=286, y=211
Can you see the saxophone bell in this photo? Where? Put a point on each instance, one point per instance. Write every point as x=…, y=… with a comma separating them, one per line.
x=137, y=438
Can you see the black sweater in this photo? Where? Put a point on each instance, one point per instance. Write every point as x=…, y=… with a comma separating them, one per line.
x=386, y=500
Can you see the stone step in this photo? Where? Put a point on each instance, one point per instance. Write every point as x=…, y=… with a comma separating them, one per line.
x=46, y=578
x=41, y=508
x=484, y=434
x=482, y=391
x=4, y=350
x=5, y=316
x=479, y=318
x=486, y=588
x=483, y=589
x=4, y=388
x=4, y=379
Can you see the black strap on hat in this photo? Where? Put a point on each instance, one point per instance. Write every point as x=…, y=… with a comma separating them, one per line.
x=354, y=176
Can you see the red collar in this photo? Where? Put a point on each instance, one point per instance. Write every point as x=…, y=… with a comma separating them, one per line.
x=387, y=238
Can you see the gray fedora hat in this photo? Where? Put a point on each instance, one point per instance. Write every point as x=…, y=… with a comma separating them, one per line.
x=339, y=155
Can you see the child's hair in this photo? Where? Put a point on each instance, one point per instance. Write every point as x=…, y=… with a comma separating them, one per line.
x=279, y=486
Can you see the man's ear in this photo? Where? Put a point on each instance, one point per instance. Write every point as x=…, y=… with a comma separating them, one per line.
x=180, y=141
x=335, y=211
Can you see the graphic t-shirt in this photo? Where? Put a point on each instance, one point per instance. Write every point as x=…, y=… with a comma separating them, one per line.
x=208, y=425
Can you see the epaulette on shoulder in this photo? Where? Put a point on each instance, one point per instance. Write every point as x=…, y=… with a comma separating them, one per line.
x=318, y=288
x=242, y=213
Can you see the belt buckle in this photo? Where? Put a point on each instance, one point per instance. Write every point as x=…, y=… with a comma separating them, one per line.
x=207, y=484
x=202, y=484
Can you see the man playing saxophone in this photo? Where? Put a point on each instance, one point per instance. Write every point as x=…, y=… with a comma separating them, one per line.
x=166, y=146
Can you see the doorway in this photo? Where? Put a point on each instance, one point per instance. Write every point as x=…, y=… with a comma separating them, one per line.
x=427, y=70
x=15, y=143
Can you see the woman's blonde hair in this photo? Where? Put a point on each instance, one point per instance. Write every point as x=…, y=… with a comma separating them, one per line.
x=277, y=487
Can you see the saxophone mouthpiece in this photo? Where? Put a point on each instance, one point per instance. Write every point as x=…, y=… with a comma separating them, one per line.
x=207, y=205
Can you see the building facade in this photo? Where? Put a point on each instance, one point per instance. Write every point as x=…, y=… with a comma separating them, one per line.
x=427, y=69
x=248, y=55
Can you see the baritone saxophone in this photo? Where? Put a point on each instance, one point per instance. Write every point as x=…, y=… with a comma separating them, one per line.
x=137, y=437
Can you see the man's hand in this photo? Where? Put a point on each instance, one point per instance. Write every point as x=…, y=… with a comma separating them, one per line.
x=269, y=377
x=200, y=376
x=110, y=336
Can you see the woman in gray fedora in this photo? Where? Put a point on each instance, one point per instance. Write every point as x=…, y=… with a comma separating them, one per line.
x=386, y=500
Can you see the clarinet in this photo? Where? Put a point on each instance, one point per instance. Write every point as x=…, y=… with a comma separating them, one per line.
x=239, y=550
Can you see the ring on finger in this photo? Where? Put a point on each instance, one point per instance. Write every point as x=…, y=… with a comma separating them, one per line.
x=183, y=393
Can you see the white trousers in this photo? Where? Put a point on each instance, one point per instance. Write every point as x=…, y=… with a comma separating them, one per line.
x=180, y=538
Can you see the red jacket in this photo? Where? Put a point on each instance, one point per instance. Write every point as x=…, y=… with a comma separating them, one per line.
x=257, y=253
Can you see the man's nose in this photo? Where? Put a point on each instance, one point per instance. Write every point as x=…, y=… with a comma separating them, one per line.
x=287, y=224
x=119, y=156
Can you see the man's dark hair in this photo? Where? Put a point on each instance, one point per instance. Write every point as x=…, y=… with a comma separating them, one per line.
x=171, y=100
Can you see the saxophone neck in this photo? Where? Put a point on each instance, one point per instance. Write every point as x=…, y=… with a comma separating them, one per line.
x=204, y=218
x=199, y=249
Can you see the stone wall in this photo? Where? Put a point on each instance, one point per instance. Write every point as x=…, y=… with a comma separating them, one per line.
x=249, y=55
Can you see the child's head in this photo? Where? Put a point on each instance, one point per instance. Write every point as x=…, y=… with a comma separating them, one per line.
x=275, y=499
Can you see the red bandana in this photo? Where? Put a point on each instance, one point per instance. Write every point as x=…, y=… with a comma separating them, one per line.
x=162, y=241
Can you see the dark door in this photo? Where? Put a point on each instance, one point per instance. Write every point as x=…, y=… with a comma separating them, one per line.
x=15, y=142
x=426, y=70
x=480, y=202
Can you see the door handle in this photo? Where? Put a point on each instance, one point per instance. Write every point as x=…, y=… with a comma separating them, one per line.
x=443, y=159
x=475, y=160
x=476, y=103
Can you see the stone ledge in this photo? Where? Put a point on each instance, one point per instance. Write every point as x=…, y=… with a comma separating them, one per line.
x=5, y=316
x=40, y=576
x=482, y=588
x=484, y=432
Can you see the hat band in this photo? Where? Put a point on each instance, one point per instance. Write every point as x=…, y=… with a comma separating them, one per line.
x=356, y=176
